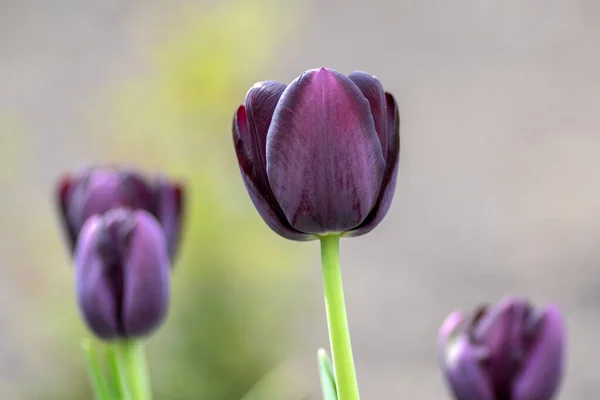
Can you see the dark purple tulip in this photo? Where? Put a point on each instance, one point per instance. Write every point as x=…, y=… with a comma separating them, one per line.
x=508, y=351
x=320, y=155
x=93, y=191
x=122, y=273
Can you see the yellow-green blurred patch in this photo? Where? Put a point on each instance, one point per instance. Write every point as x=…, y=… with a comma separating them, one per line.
x=236, y=281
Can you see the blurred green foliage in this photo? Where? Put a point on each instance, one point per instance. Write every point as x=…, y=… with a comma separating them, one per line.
x=234, y=282
x=235, y=285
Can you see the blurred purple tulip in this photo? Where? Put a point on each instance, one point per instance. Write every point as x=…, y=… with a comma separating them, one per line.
x=320, y=155
x=508, y=351
x=93, y=191
x=122, y=273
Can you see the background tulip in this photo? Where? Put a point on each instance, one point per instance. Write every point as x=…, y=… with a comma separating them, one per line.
x=319, y=156
x=93, y=191
x=122, y=273
x=508, y=351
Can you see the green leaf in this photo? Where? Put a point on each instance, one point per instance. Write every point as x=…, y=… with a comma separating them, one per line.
x=328, y=385
x=97, y=380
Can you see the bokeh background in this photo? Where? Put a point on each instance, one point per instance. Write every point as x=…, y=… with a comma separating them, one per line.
x=498, y=190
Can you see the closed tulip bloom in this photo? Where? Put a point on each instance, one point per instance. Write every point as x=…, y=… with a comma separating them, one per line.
x=320, y=155
x=508, y=351
x=93, y=191
x=122, y=274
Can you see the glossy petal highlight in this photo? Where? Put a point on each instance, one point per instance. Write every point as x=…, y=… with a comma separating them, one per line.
x=462, y=361
x=465, y=373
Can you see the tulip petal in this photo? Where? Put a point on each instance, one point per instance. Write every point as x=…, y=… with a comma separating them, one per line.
x=94, y=194
x=146, y=277
x=465, y=372
x=324, y=160
x=261, y=101
x=135, y=192
x=450, y=328
x=462, y=361
x=257, y=187
x=170, y=204
x=98, y=190
x=93, y=284
x=543, y=368
x=373, y=91
x=501, y=332
x=388, y=186
x=63, y=192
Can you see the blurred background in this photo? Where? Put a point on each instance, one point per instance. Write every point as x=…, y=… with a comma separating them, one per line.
x=498, y=189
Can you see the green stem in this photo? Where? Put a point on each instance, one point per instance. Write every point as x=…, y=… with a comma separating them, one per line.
x=132, y=365
x=99, y=385
x=339, y=335
x=117, y=378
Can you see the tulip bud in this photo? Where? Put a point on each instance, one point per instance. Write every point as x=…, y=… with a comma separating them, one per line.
x=122, y=273
x=507, y=351
x=321, y=155
x=93, y=191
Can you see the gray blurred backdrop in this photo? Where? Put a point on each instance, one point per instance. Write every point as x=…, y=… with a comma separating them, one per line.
x=498, y=189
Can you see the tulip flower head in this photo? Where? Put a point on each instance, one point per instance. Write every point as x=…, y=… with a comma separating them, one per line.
x=508, y=351
x=320, y=155
x=122, y=273
x=93, y=191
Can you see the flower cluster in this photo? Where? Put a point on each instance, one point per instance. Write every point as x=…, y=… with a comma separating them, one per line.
x=319, y=158
x=123, y=231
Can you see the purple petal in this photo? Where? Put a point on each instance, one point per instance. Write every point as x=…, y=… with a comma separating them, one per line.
x=170, y=204
x=450, y=328
x=388, y=186
x=258, y=188
x=324, y=159
x=135, y=192
x=464, y=370
x=94, y=194
x=97, y=190
x=543, y=368
x=146, y=277
x=63, y=195
x=373, y=91
x=93, y=285
x=393, y=120
x=501, y=331
x=261, y=101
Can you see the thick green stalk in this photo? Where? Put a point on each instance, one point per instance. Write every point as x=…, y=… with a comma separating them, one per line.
x=339, y=335
x=117, y=379
x=132, y=365
x=99, y=386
